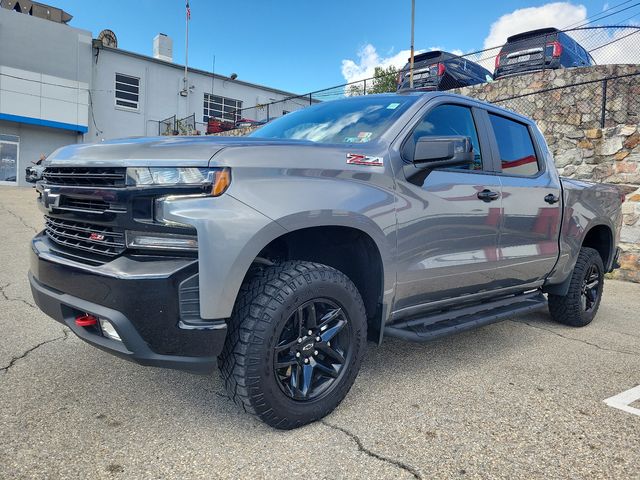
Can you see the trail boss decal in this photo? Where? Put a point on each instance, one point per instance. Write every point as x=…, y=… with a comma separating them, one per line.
x=359, y=159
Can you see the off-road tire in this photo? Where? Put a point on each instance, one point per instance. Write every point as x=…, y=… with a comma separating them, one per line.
x=263, y=306
x=569, y=309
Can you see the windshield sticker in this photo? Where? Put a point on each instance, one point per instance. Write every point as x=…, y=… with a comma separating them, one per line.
x=362, y=137
x=360, y=159
x=393, y=106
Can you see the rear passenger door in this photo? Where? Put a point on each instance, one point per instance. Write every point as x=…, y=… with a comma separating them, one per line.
x=531, y=202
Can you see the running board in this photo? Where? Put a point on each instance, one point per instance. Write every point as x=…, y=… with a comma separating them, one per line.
x=441, y=324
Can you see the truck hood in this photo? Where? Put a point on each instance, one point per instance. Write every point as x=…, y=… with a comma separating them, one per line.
x=155, y=151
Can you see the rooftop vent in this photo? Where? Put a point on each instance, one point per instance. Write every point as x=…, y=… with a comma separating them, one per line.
x=163, y=47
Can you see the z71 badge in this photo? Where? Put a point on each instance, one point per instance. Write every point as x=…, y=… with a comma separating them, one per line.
x=359, y=159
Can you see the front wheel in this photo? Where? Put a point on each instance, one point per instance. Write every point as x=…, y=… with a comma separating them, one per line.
x=579, y=306
x=295, y=344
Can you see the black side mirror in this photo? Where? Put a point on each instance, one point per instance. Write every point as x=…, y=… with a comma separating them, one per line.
x=433, y=152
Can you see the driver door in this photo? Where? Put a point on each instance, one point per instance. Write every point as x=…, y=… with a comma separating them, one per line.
x=447, y=224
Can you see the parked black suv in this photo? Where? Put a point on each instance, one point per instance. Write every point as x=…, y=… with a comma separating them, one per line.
x=439, y=70
x=545, y=48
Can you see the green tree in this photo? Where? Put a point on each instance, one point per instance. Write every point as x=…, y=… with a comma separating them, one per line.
x=384, y=80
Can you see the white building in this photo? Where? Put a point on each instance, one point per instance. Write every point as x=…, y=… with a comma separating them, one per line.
x=59, y=86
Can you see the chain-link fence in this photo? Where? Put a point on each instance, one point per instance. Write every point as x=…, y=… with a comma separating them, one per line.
x=167, y=126
x=599, y=102
x=179, y=126
x=544, y=49
x=540, y=51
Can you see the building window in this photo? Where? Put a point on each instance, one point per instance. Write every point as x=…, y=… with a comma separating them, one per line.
x=221, y=108
x=8, y=159
x=127, y=91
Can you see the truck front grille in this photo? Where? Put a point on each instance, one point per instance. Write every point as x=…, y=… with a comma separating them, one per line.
x=85, y=176
x=88, y=237
x=81, y=204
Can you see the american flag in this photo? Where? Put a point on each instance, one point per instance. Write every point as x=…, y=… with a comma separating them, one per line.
x=188, y=11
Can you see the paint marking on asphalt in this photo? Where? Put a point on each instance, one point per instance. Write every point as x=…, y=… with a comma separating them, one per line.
x=623, y=401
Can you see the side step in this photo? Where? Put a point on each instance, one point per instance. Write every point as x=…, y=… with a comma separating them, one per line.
x=441, y=324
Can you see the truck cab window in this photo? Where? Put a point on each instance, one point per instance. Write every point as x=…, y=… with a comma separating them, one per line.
x=517, y=155
x=446, y=120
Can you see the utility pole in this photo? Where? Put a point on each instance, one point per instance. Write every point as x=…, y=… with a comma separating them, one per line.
x=413, y=21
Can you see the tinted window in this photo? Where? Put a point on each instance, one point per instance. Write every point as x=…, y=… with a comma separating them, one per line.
x=517, y=155
x=446, y=120
x=353, y=120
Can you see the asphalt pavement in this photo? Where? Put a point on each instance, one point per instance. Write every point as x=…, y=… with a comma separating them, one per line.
x=523, y=398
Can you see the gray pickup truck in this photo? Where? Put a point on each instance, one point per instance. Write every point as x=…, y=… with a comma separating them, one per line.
x=276, y=256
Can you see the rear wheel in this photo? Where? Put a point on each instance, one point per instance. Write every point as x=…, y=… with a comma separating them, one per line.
x=296, y=340
x=580, y=305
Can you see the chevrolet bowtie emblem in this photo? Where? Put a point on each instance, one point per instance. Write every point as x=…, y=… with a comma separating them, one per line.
x=50, y=200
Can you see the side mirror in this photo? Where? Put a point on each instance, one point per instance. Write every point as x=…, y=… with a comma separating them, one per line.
x=433, y=152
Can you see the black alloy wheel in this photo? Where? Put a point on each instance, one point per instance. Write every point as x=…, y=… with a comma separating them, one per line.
x=295, y=343
x=591, y=288
x=580, y=304
x=313, y=350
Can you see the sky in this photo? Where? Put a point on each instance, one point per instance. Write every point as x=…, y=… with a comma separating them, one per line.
x=302, y=46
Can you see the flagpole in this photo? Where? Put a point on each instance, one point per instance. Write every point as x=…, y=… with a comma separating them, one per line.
x=186, y=57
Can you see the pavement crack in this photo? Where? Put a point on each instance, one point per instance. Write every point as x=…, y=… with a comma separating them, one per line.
x=586, y=342
x=21, y=220
x=4, y=295
x=404, y=466
x=12, y=362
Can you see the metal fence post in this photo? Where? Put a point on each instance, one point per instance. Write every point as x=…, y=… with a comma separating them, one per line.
x=310, y=99
x=267, y=112
x=365, y=87
x=603, y=113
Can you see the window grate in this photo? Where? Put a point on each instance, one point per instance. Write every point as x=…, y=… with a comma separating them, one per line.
x=127, y=91
x=221, y=108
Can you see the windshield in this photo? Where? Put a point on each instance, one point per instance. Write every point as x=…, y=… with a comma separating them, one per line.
x=353, y=120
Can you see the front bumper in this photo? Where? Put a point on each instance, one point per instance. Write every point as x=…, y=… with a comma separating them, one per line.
x=138, y=295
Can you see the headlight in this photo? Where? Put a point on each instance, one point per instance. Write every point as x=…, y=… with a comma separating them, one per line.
x=218, y=179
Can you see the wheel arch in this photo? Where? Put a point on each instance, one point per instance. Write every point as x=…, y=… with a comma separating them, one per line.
x=599, y=236
x=360, y=253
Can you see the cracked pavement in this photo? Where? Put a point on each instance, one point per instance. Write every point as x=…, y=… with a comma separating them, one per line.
x=518, y=399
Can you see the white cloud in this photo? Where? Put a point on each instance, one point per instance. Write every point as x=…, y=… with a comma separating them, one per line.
x=369, y=59
x=607, y=45
x=559, y=14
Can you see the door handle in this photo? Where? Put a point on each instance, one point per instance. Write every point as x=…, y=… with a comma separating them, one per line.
x=551, y=199
x=488, y=196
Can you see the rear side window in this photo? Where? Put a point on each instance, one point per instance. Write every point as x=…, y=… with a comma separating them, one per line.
x=447, y=120
x=517, y=155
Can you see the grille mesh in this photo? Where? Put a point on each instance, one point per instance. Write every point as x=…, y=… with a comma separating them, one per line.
x=85, y=236
x=85, y=177
x=92, y=205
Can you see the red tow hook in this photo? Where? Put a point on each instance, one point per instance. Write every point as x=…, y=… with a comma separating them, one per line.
x=86, y=320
